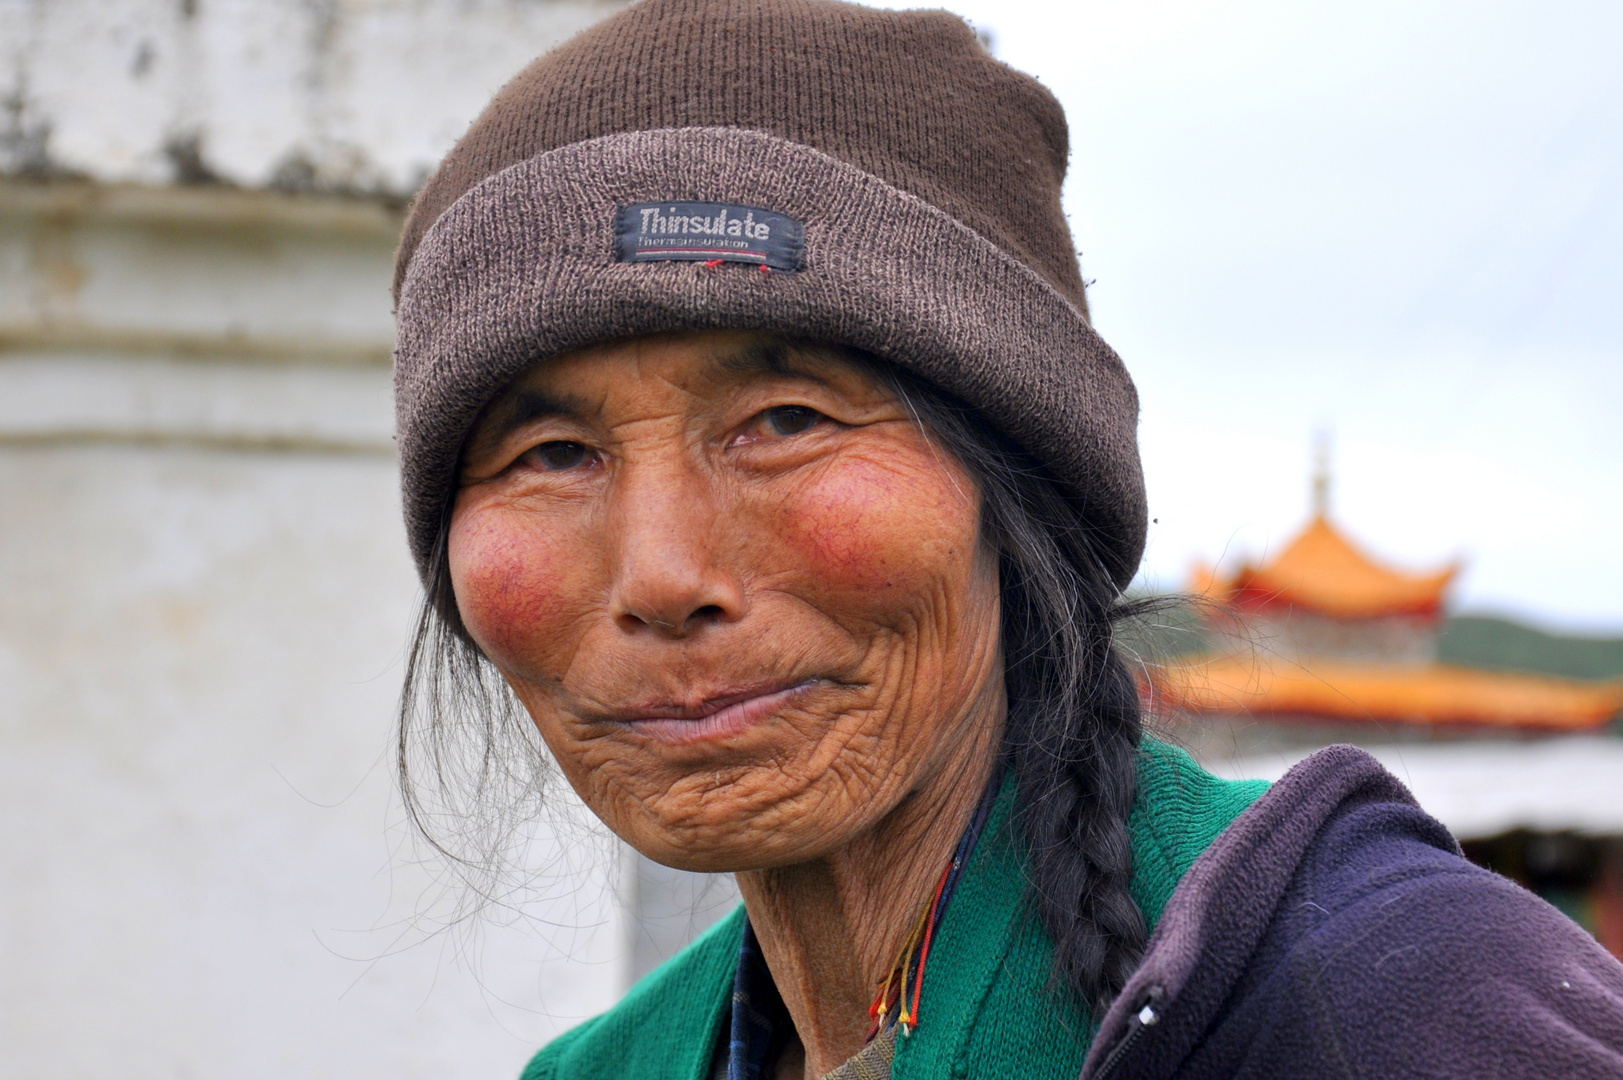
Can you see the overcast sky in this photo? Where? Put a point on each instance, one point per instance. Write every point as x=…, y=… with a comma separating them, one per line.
x=1397, y=222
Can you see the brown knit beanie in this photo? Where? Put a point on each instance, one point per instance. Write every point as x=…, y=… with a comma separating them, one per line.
x=827, y=171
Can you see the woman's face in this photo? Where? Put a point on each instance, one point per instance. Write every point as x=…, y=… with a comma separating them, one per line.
x=739, y=591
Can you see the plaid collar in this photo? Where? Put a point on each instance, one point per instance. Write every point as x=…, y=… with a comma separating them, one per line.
x=760, y=1022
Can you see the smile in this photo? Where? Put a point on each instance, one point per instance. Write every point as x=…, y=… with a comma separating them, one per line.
x=716, y=718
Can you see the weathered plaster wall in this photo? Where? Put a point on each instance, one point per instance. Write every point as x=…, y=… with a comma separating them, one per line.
x=337, y=95
x=204, y=873
x=204, y=598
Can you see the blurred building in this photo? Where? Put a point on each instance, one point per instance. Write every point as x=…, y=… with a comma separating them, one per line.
x=204, y=586
x=1323, y=643
x=1324, y=633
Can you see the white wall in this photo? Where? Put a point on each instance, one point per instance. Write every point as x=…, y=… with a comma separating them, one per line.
x=204, y=596
x=357, y=95
x=204, y=875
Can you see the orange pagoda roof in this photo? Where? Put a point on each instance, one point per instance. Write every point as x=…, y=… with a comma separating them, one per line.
x=1322, y=571
x=1342, y=690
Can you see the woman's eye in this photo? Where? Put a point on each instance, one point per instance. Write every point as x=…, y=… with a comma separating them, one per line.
x=561, y=455
x=791, y=419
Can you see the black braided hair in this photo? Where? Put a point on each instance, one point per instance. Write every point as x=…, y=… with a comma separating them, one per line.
x=1074, y=712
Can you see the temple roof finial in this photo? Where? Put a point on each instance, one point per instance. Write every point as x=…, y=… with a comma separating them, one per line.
x=1321, y=474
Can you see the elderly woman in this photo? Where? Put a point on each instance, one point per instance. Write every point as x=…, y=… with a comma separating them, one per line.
x=754, y=432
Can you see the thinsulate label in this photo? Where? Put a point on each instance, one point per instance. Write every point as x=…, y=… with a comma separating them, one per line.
x=708, y=232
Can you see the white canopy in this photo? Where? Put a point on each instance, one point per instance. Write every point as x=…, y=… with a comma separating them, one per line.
x=1482, y=789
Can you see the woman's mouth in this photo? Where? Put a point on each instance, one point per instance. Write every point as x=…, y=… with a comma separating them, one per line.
x=714, y=718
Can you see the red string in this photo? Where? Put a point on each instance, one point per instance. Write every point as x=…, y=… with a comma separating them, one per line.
x=929, y=935
x=713, y=263
x=893, y=987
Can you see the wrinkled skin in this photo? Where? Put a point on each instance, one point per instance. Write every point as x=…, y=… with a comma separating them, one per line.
x=745, y=601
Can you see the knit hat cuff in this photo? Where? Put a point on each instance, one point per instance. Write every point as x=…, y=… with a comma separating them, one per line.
x=524, y=266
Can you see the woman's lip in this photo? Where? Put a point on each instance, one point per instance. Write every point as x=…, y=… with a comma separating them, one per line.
x=713, y=718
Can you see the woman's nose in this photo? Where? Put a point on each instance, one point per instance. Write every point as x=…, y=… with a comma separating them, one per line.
x=667, y=579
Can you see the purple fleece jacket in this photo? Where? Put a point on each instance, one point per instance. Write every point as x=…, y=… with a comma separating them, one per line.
x=1334, y=930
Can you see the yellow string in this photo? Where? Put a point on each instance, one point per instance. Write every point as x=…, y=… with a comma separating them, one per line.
x=906, y=959
x=901, y=968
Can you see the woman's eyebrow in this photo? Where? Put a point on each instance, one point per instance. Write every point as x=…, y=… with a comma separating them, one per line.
x=769, y=358
x=530, y=405
x=522, y=408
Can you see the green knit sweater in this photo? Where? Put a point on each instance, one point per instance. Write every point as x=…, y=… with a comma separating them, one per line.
x=989, y=1007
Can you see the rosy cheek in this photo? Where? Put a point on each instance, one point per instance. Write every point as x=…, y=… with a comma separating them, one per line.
x=512, y=585
x=864, y=527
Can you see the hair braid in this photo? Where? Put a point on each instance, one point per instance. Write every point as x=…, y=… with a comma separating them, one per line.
x=1074, y=715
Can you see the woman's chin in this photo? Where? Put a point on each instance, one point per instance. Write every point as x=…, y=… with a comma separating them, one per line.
x=707, y=862
x=722, y=836
x=730, y=857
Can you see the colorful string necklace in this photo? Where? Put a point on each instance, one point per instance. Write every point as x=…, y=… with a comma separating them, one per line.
x=899, y=991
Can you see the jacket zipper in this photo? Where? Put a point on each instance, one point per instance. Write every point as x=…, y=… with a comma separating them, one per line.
x=1145, y=1018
